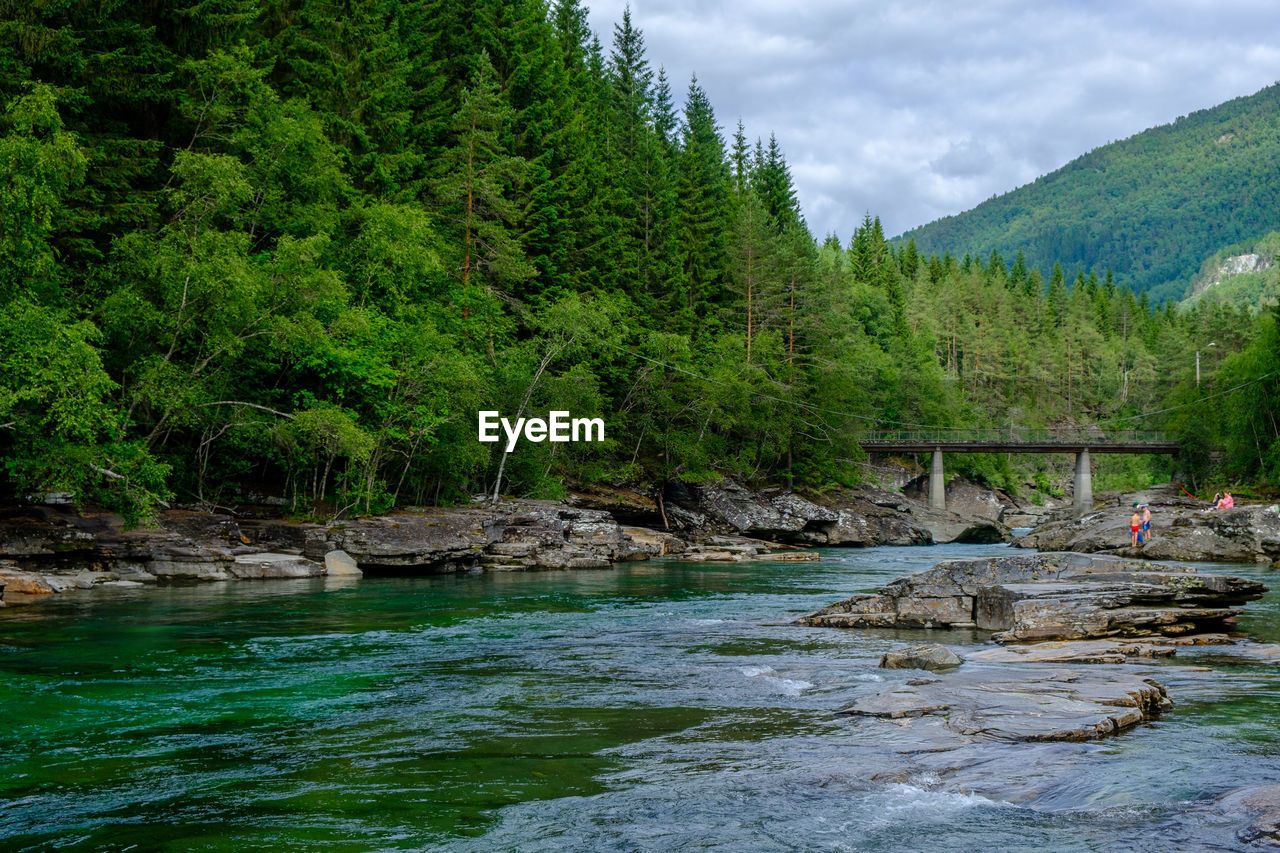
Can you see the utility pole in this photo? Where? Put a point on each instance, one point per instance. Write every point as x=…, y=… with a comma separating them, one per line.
x=1211, y=344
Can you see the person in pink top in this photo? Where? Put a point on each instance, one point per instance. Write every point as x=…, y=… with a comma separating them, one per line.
x=1227, y=501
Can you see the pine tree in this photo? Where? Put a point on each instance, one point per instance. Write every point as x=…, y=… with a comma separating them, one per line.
x=772, y=182
x=1018, y=274
x=665, y=121
x=479, y=176
x=741, y=160
x=1057, y=297
x=703, y=208
x=752, y=262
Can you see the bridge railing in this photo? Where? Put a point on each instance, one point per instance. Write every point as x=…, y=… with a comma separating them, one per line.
x=1019, y=436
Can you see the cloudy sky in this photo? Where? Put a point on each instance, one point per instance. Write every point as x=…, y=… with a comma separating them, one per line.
x=916, y=109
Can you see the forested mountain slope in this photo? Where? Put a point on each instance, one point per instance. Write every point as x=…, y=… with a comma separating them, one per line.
x=1151, y=208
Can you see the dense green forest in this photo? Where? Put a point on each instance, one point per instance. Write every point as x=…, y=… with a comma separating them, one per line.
x=293, y=248
x=1150, y=207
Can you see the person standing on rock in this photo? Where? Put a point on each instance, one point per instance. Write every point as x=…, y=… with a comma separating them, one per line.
x=1146, y=522
x=1135, y=527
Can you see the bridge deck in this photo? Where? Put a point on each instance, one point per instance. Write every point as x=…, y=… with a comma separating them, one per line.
x=1014, y=447
x=1018, y=441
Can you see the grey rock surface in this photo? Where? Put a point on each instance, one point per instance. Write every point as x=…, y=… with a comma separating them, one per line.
x=45, y=550
x=861, y=517
x=1258, y=809
x=1049, y=596
x=269, y=565
x=1045, y=705
x=932, y=657
x=1244, y=534
x=341, y=564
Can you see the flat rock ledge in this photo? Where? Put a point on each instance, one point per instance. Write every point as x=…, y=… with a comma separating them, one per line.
x=1244, y=534
x=861, y=517
x=1050, y=596
x=1120, y=650
x=1022, y=706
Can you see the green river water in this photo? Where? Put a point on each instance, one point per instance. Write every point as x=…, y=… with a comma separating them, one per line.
x=653, y=706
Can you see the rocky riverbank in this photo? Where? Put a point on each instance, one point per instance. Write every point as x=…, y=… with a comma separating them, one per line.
x=46, y=549
x=1182, y=529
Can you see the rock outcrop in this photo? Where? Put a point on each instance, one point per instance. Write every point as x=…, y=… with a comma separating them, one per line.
x=1053, y=596
x=862, y=517
x=512, y=536
x=1245, y=534
x=1041, y=705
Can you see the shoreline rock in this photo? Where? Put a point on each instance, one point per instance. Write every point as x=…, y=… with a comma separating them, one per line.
x=1049, y=596
x=45, y=550
x=861, y=517
x=933, y=657
x=1182, y=529
x=722, y=522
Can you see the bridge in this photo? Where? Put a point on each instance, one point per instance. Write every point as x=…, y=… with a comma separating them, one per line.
x=1081, y=442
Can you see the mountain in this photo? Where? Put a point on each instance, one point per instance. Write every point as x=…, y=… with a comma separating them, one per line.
x=1151, y=207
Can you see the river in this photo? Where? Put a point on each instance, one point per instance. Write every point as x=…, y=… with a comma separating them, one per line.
x=653, y=706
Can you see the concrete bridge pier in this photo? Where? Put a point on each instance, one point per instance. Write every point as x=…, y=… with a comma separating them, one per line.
x=1084, y=483
x=937, y=482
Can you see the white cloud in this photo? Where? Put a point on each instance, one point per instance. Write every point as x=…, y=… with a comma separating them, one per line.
x=919, y=109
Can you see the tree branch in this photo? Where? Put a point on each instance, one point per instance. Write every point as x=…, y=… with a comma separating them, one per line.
x=250, y=405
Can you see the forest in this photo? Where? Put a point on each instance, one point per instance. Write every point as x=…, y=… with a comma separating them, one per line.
x=292, y=248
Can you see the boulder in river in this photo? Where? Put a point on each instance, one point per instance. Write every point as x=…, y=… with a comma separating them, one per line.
x=1051, y=596
x=341, y=564
x=933, y=657
x=268, y=565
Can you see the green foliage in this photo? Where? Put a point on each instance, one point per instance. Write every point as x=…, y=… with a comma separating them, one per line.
x=1042, y=483
x=58, y=429
x=40, y=164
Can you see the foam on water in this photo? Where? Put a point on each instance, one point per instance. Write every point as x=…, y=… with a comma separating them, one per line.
x=789, y=686
x=756, y=671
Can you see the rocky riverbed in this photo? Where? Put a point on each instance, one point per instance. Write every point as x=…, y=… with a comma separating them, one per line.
x=1049, y=610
